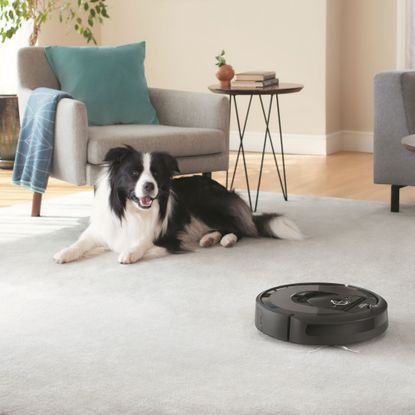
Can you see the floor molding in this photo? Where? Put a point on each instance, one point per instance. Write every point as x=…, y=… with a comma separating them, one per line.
x=312, y=144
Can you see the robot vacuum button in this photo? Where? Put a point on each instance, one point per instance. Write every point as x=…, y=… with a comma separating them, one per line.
x=340, y=301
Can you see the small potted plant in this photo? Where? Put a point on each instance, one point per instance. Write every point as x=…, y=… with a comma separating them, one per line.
x=225, y=72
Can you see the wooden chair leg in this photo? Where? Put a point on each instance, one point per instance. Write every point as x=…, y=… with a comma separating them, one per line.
x=36, y=204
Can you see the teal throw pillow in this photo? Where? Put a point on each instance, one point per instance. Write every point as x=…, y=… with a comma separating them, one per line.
x=109, y=80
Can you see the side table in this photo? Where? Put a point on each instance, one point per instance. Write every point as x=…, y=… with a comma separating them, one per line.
x=273, y=92
x=409, y=142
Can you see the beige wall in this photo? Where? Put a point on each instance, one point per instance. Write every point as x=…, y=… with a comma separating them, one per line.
x=369, y=46
x=333, y=47
x=56, y=33
x=183, y=36
x=361, y=41
x=334, y=53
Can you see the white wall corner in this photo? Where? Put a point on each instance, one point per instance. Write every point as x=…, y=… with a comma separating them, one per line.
x=361, y=141
x=334, y=142
x=311, y=144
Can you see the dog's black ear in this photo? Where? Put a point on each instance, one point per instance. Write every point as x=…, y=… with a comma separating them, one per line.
x=116, y=154
x=169, y=163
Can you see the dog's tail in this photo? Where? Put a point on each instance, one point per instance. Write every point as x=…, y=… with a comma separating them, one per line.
x=272, y=225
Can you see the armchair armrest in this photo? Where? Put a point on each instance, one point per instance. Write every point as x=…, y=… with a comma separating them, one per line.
x=394, y=118
x=71, y=139
x=23, y=95
x=33, y=71
x=191, y=109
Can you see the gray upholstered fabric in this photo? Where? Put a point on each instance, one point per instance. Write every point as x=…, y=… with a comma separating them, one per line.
x=211, y=111
x=187, y=165
x=71, y=139
x=34, y=70
x=408, y=95
x=177, y=141
x=213, y=162
x=203, y=136
x=394, y=118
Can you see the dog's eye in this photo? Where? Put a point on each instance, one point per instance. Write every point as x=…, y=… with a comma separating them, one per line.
x=135, y=173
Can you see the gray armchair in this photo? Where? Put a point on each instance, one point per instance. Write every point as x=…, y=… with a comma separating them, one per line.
x=194, y=127
x=394, y=119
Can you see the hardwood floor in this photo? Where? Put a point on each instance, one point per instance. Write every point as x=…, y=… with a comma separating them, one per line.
x=345, y=174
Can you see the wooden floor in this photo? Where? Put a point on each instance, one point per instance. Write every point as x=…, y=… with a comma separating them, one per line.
x=345, y=174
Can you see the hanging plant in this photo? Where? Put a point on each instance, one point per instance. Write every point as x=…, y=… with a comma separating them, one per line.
x=82, y=15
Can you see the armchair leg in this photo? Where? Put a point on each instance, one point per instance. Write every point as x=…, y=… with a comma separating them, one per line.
x=36, y=204
x=395, y=197
x=208, y=175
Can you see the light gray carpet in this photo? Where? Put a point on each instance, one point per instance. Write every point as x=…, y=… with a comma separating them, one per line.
x=176, y=335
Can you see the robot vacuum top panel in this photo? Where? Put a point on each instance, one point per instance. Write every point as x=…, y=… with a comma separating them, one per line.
x=321, y=313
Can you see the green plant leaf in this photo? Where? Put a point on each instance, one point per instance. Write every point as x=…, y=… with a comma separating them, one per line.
x=14, y=12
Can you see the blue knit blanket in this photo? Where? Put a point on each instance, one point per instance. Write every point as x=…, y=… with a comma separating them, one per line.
x=37, y=135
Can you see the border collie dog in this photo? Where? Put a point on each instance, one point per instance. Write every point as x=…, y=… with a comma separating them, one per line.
x=140, y=211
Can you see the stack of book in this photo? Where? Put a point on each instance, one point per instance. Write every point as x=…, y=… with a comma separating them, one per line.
x=252, y=80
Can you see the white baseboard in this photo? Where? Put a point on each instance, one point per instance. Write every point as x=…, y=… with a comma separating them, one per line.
x=308, y=143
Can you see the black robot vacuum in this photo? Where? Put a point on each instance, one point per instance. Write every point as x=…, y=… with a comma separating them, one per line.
x=321, y=313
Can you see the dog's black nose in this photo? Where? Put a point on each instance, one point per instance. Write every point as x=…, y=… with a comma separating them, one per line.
x=148, y=187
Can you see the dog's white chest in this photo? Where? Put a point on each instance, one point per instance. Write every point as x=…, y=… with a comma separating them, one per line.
x=137, y=227
x=134, y=229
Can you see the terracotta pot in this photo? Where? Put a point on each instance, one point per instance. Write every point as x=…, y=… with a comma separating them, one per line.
x=225, y=74
x=9, y=129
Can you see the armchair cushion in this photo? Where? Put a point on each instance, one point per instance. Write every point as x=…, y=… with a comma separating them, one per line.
x=109, y=80
x=178, y=141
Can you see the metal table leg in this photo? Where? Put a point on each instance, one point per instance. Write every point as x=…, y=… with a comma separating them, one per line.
x=285, y=188
x=268, y=136
x=241, y=150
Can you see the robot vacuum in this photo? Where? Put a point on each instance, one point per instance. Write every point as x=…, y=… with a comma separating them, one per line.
x=321, y=313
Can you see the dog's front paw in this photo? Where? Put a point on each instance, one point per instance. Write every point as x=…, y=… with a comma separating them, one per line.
x=129, y=257
x=66, y=255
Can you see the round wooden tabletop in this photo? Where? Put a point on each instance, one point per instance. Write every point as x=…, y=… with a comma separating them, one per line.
x=409, y=142
x=283, y=88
